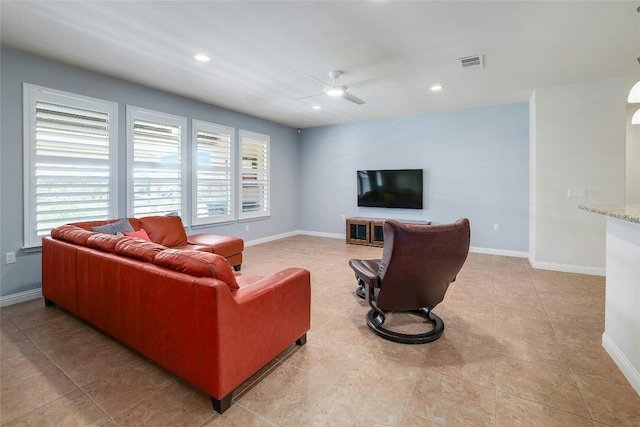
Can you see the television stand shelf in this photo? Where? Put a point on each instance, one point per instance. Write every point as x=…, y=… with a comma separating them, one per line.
x=369, y=231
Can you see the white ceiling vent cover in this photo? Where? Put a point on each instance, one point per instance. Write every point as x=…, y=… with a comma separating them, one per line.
x=472, y=62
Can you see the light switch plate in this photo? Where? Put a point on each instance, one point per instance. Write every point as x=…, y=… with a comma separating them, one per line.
x=577, y=193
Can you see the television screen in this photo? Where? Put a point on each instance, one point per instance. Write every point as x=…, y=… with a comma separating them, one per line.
x=390, y=188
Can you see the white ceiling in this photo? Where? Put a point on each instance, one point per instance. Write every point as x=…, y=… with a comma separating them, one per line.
x=391, y=52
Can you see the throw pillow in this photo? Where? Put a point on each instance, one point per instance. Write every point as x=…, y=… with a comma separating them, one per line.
x=140, y=234
x=122, y=225
x=165, y=230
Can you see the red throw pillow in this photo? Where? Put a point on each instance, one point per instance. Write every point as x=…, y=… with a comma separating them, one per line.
x=140, y=234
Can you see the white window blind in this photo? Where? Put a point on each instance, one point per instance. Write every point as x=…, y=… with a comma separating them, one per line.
x=69, y=160
x=156, y=157
x=255, y=186
x=212, y=173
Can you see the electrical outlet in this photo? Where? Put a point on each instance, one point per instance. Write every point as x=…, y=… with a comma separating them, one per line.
x=11, y=257
x=496, y=227
x=246, y=228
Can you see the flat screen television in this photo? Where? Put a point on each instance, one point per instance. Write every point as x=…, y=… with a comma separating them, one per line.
x=398, y=188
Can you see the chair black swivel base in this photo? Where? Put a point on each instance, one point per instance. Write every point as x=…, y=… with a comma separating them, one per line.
x=360, y=290
x=375, y=320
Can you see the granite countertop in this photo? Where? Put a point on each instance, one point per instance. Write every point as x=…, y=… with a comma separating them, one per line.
x=629, y=213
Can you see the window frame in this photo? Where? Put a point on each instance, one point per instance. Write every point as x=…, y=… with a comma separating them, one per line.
x=32, y=94
x=133, y=113
x=265, y=212
x=200, y=125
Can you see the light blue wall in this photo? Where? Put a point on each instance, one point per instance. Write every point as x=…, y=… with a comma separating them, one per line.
x=475, y=161
x=18, y=67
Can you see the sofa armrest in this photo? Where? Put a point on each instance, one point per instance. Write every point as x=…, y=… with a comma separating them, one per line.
x=241, y=331
x=253, y=286
x=291, y=290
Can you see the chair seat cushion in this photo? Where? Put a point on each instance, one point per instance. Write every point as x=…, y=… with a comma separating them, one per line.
x=367, y=270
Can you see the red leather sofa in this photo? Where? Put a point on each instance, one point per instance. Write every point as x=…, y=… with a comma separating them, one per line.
x=184, y=309
x=169, y=231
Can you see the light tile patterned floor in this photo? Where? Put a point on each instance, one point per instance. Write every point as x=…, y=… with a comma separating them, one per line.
x=521, y=347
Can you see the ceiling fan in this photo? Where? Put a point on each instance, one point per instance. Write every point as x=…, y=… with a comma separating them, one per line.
x=333, y=90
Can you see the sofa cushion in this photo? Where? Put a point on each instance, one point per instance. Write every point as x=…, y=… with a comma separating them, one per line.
x=120, y=226
x=71, y=234
x=222, y=245
x=140, y=234
x=199, y=264
x=164, y=230
x=138, y=249
x=104, y=242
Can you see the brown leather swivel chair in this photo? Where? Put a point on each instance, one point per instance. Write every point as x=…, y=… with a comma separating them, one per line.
x=418, y=263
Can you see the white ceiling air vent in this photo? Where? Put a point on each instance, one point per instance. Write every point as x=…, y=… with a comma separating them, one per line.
x=471, y=62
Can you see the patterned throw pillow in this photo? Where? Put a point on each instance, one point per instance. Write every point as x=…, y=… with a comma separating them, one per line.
x=120, y=226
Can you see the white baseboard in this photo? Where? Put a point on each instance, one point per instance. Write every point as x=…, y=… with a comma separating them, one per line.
x=271, y=238
x=502, y=252
x=567, y=268
x=20, y=297
x=628, y=370
x=321, y=234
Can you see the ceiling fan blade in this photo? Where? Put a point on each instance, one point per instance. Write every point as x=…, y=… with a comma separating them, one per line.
x=367, y=82
x=311, y=77
x=352, y=98
x=308, y=96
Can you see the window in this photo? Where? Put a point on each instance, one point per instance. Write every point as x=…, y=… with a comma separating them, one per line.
x=156, y=163
x=69, y=160
x=254, y=188
x=212, y=173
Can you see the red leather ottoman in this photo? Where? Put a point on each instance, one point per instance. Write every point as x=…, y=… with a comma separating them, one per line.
x=229, y=247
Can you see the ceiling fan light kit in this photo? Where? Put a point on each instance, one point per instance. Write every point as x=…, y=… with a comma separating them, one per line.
x=334, y=90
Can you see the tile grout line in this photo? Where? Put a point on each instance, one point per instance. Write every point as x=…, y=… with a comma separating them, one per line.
x=76, y=385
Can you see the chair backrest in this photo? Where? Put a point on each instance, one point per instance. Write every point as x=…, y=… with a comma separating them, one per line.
x=419, y=262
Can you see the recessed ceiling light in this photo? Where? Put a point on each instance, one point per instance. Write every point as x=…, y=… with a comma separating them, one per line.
x=436, y=88
x=317, y=107
x=202, y=57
